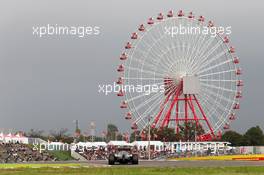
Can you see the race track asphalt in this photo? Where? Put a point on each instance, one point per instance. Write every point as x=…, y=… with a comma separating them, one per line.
x=194, y=163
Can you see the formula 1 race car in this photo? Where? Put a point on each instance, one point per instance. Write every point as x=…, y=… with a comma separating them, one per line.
x=123, y=155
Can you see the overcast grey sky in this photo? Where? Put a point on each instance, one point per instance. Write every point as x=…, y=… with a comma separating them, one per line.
x=46, y=83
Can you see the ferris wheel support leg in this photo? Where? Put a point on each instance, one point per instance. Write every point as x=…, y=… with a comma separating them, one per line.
x=193, y=111
x=186, y=109
x=157, y=118
x=175, y=98
x=177, y=118
x=168, y=114
x=204, y=116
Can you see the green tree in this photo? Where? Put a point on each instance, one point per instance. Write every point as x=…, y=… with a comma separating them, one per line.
x=189, y=130
x=35, y=133
x=89, y=138
x=233, y=137
x=112, y=132
x=135, y=135
x=59, y=135
x=119, y=136
x=254, y=136
x=166, y=134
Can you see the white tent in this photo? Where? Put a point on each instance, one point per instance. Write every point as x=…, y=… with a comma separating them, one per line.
x=118, y=143
x=143, y=145
x=8, y=138
x=99, y=144
x=2, y=136
x=85, y=144
x=19, y=138
x=88, y=145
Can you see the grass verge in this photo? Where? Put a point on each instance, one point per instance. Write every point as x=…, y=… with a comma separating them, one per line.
x=225, y=157
x=75, y=169
x=62, y=155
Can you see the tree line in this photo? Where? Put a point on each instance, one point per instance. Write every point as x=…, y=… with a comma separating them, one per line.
x=252, y=137
x=187, y=132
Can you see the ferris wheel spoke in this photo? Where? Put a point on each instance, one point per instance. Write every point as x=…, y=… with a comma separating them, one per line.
x=158, y=56
x=216, y=87
x=151, y=108
x=191, y=48
x=155, y=111
x=147, y=64
x=142, y=104
x=164, y=65
x=214, y=66
x=136, y=97
x=168, y=54
x=210, y=103
x=218, y=105
x=202, y=51
x=140, y=51
x=212, y=119
x=139, y=78
x=205, y=104
x=196, y=57
x=218, y=96
x=146, y=54
x=210, y=51
x=189, y=41
x=217, y=80
x=176, y=51
x=216, y=73
x=190, y=45
x=145, y=71
x=212, y=112
x=194, y=49
x=151, y=65
x=155, y=52
x=205, y=57
x=198, y=46
x=193, y=45
x=156, y=43
x=150, y=56
x=173, y=23
x=184, y=50
x=164, y=56
x=213, y=59
x=171, y=90
x=172, y=55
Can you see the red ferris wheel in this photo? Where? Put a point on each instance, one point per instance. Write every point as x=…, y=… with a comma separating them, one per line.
x=199, y=76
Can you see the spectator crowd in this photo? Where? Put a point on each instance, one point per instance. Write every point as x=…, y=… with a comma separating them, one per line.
x=94, y=153
x=17, y=152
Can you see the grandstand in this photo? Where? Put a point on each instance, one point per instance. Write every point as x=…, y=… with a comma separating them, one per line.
x=18, y=152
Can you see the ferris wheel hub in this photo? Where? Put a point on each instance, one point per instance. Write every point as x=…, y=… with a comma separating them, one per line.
x=191, y=85
x=178, y=77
